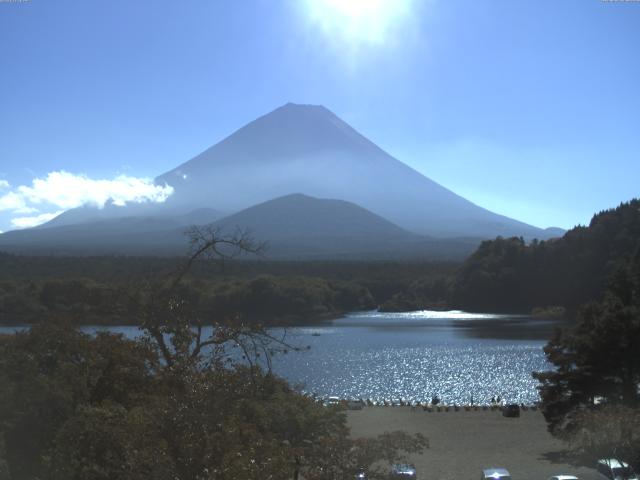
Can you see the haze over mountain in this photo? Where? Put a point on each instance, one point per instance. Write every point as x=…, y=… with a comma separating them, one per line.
x=294, y=226
x=305, y=227
x=137, y=235
x=263, y=176
x=308, y=149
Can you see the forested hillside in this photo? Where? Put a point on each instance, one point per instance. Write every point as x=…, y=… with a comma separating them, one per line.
x=507, y=274
x=111, y=290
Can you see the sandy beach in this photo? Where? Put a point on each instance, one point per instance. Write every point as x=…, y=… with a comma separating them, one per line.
x=463, y=443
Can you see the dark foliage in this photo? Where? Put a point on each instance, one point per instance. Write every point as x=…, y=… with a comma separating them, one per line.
x=174, y=404
x=111, y=290
x=507, y=274
x=596, y=363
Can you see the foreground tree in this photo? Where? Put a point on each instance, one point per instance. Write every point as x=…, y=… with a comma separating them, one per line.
x=597, y=366
x=192, y=399
x=48, y=373
x=612, y=431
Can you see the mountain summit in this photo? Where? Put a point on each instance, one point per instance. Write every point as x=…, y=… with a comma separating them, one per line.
x=301, y=179
x=308, y=149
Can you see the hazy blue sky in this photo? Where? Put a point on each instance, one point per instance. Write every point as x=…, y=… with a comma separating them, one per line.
x=531, y=109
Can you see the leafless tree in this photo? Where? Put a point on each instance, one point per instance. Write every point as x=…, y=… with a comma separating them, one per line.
x=176, y=327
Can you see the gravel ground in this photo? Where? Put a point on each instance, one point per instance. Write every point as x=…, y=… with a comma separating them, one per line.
x=463, y=443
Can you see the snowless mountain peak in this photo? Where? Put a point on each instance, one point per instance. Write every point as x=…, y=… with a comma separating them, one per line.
x=308, y=149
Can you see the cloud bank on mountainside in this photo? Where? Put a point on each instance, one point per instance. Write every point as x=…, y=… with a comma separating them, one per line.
x=48, y=197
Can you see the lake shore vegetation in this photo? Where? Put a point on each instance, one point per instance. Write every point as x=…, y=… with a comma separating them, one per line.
x=173, y=404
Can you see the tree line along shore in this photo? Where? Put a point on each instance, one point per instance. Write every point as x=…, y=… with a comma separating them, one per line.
x=547, y=278
x=177, y=403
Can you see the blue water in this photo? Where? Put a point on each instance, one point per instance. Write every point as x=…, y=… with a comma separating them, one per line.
x=414, y=356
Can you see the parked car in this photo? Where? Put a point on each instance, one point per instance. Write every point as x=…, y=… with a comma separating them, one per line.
x=615, y=469
x=333, y=401
x=495, y=474
x=355, y=404
x=361, y=474
x=563, y=477
x=403, y=471
x=511, y=410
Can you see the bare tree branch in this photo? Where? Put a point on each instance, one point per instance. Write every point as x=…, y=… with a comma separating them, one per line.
x=175, y=326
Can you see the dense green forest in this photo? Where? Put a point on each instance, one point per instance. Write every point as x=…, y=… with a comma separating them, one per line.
x=111, y=290
x=95, y=407
x=174, y=404
x=507, y=274
x=590, y=397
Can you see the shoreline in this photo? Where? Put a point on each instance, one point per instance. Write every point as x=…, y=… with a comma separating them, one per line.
x=429, y=407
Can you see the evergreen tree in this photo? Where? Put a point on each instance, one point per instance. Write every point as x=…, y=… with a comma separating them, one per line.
x=597, y=363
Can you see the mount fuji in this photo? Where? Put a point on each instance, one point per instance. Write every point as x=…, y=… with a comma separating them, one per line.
x=337, y=181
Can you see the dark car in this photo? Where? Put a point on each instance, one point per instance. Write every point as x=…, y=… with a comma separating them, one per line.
x=511, y=410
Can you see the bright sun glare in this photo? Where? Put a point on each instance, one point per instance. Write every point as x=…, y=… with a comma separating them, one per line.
x=359, y=21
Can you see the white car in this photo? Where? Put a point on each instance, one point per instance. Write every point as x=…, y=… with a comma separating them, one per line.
x=563, y=477
x=495, y=474
x=361, y=474
x=403, y=471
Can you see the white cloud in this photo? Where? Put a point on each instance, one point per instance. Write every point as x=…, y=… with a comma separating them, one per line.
x=62, y=190
x=26, y=210
x=66, y=190
x=27, y=222
x=11, y=201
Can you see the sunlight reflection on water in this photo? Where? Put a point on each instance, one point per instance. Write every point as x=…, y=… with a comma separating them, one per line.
x=412, y=356
x=431, y=314
x=416, y=355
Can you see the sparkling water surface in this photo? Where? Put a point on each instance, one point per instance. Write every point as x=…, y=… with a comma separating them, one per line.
x=413, y=356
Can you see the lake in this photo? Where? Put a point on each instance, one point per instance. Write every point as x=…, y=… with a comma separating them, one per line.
x=413, y=356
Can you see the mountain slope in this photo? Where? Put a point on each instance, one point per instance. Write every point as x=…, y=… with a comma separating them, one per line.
x=294, y=227
x=299, y=225
x=139, y=235
x=295, y=148
x=308, y=149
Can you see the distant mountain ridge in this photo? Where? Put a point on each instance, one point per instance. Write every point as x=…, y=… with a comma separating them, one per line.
x=299, y=226
x=294, y=226
x=145, y=211
x=298, y=162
